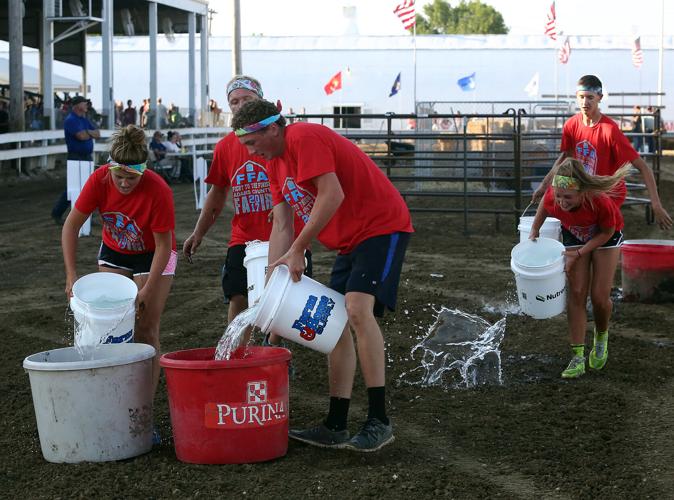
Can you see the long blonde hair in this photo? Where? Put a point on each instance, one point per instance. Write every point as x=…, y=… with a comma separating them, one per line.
x=591, y=185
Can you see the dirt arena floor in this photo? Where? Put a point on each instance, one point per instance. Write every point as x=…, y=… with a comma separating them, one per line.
x=607, y=435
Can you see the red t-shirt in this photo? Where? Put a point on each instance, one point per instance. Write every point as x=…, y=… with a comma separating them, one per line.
x=246, y=175
x=372, y=206
x=129, y=220
x=602, y=149
x=585, y=221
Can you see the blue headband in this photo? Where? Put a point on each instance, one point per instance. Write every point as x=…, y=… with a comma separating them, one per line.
x=588, y=88
x=254, y=127
x=244, y=83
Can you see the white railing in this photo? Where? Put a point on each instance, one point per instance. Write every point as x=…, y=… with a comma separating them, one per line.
x=39, y=144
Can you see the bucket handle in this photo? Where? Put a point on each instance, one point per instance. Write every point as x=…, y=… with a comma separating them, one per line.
x=525, y=210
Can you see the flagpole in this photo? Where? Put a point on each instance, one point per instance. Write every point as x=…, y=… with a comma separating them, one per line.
x=414, y=58
x=661, y=53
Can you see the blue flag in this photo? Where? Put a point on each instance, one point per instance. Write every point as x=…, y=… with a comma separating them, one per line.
x=467, y=82
x=396, y=86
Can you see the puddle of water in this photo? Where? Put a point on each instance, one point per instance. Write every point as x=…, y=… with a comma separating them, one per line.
x=460, y=350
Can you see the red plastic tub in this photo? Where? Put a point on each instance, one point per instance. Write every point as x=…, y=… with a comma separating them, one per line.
x=648, y=270
x=230, y=411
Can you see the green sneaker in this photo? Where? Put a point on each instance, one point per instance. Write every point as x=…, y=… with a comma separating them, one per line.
x=599, y=353
x=576, y=368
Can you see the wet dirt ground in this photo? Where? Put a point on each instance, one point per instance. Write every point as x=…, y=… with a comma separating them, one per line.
x=606, y=435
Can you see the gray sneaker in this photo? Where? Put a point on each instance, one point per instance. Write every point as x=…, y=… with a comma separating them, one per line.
x=320, y=436
x=372, y=437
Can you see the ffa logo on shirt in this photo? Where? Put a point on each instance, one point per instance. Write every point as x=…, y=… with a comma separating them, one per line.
x=301, y=200
x=587, y=155
x=250, y=189
x=124, y=231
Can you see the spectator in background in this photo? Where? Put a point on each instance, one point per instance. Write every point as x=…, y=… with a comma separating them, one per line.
x=174, y=116
x=141, y=112
x=80, y=134
x=119, y=112
x=129, y=116
x=215, y=112
x=162, y=114
x=4, y=118
x=637, y=128
x=649, y=128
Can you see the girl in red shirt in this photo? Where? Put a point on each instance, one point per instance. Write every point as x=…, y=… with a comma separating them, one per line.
x=592, y=233
x=136, y=208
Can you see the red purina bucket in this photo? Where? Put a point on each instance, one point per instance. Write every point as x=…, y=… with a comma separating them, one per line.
x=231, y=411
x=648, y=270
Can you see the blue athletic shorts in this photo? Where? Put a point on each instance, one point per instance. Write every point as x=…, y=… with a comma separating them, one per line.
x=373, y=267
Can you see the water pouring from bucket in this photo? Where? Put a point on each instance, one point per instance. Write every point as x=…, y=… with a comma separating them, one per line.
x=103, y=306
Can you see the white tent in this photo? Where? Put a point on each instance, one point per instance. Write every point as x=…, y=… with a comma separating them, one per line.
x=31, y=79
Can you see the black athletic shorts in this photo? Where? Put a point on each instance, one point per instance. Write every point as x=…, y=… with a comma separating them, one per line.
x=570, y=240
x=234, y=274
x=373, y=267
x=136, y=263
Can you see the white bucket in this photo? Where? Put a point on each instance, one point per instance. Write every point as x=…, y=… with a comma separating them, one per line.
x=305, y=312
x=255, y=263
x=551, y=228
x=539, y=276
x=104, y=308
x=95, y=410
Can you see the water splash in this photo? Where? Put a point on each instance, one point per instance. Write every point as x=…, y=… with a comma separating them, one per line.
x=460, y=350
x=90, y=333
x=234, y=333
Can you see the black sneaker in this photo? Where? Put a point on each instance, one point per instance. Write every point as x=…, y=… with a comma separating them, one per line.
x=374, y=435
x=320, y=436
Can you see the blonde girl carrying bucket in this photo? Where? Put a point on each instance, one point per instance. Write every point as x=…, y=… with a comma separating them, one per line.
x=591, y=233
x=138, y=219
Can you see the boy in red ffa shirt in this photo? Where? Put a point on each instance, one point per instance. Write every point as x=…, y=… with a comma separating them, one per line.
x=592, y=233
x=599, y=144
x=233, y=168
x=349, y=205
x=136, y=208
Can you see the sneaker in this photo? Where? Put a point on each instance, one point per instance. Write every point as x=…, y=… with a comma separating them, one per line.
x=373, y=436
x=320, y=436
x=599, y=353
x=576, y=368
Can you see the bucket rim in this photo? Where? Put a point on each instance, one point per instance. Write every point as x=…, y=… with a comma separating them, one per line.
x=648, y=243
x=557, y=243
x=168, y=360
x=144, y=352
x=273, y=307
x=82, y=280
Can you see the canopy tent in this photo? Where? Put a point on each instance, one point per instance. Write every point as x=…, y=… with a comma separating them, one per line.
x=31, y=79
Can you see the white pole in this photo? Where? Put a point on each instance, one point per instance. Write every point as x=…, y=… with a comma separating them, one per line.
x=414, y=42
x=661, y=53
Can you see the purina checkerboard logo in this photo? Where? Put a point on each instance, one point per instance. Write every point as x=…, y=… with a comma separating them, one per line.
x=257, y=392
x=259, y=410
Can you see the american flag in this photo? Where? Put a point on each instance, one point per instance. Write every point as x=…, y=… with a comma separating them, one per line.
x=637, y=53
x=405, y=11
x=565, y=51
x=550, y=28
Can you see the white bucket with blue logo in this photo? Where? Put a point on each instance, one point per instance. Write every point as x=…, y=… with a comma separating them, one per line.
x=539, y=276
x=305, y=312
x=104, y=308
